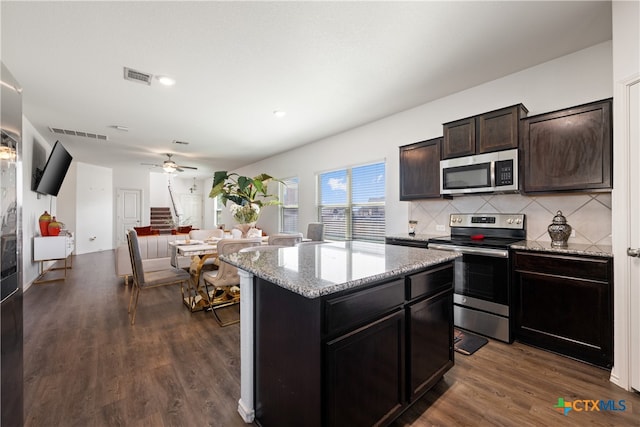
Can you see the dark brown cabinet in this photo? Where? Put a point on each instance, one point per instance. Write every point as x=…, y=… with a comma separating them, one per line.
x=493, y=131
x=420, y=170
x=355, y=358
x=564, y=303
x=365, y=372
x=569, y=149
x=431, y=337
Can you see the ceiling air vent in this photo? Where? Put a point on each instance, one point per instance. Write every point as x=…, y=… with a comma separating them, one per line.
x=137, y=76
x=175, y=141
x=78, y=133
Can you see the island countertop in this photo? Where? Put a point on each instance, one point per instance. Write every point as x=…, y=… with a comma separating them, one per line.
x=321, y=269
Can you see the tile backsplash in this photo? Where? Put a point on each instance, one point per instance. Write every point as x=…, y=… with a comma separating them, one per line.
x=589, y=214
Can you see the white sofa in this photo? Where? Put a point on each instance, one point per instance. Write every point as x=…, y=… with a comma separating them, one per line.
x=155, y=252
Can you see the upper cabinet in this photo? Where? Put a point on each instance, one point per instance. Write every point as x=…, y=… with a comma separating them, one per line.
x=420, y=170
x=493, y=131
x=569, y=149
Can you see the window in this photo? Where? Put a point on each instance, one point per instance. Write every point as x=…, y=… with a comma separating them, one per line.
x=218, y=205
x=289, y=206
x=351, y=203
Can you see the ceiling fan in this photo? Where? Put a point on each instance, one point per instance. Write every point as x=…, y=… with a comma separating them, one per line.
x=170, y=166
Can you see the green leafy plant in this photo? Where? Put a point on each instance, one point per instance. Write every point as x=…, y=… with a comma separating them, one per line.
x=243, y=190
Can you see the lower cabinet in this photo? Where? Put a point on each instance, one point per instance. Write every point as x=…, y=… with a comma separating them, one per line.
x=355, y=358
x=365, y=373
x=431, y=342
x=564, y=303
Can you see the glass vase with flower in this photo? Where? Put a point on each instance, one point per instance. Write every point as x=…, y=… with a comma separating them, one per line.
x=248, y=196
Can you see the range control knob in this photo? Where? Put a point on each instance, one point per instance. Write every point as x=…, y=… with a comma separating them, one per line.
x=510, y=221
x=518, y=221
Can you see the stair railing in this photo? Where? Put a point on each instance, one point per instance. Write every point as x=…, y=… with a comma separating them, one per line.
x=178, y=213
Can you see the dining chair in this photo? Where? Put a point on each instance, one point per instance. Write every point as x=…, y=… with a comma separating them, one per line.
x=285, y=239
x=315, y=231
x=222, y=286
x=148, y=279
x=262, y=248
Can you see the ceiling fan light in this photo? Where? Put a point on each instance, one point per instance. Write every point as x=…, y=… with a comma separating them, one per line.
x=169, y=168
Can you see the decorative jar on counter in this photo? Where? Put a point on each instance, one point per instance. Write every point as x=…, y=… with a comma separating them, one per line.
x=44, y=221
x=559, y=230
x=54, y=227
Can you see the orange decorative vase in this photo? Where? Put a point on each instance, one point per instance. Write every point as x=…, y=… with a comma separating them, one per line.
x=54, y=227
x=44, y=221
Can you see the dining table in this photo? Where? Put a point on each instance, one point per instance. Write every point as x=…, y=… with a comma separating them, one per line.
x=195, y=297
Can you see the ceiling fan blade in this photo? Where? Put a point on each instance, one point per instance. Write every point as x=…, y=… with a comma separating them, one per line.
x=151, y=164
x=179, y=169
x=188, y=167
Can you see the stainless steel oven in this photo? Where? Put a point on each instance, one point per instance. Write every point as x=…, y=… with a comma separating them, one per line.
x=482, y=281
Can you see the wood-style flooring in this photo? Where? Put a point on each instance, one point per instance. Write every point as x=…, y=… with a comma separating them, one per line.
x=85, y=365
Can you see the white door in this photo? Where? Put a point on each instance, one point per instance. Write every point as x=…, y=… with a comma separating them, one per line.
x=191, y=209
x=634, y=230
x=129, y=212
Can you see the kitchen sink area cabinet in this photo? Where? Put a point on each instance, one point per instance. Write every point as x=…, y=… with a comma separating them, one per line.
x=569, y=149
x=493, y=131
x=564, y=303
x=420, y=170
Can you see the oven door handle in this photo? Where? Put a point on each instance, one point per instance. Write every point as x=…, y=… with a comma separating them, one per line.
x=497, y=253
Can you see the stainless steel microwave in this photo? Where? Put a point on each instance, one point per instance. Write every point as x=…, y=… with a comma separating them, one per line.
x=482, y=173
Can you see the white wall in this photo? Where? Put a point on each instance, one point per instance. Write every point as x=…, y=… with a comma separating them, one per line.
x=574, y=79
x=94, y=208
x=66, y=202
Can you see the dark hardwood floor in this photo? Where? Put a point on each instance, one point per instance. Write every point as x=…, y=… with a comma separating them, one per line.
x=85, y=365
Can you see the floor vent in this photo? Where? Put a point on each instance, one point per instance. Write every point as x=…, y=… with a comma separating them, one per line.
x=137, y=76
x=79, y=133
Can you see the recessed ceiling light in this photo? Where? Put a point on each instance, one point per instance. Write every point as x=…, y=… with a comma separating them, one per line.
x=167, y=81
x=279, y=113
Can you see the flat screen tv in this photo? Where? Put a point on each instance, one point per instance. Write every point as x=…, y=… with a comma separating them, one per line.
x=49, y=179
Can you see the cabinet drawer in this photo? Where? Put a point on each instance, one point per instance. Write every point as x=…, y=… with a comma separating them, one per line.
x=350, y=310
x=429, y=282
x=564, y=265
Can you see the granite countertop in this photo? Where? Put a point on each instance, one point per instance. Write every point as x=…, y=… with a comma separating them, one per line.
x=322, y=269
x=415, y=237
x=571, y=248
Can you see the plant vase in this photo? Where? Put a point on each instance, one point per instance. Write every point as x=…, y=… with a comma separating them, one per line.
x=246, y=217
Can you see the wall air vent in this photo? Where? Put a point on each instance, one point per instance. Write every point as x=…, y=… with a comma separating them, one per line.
x=137, y=76
x=79, y=133
x=175, y=141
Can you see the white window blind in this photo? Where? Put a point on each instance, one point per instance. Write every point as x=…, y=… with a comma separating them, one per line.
x=351, y=203
x=289, y=206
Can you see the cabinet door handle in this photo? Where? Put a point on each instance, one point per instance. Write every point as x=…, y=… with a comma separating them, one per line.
x=633, y=252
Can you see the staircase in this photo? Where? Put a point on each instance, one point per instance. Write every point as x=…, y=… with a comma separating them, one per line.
x=161, y=219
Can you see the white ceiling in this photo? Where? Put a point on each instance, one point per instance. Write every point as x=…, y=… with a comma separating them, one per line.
x=332, y=66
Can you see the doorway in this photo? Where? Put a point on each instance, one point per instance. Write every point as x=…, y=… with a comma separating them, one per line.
x=634, y=230
x=128, y=212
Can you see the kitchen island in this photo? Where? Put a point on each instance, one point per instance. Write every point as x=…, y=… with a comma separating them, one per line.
x=347, y=333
